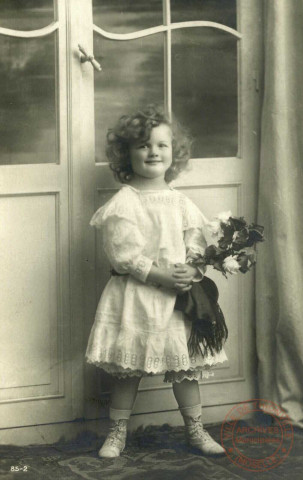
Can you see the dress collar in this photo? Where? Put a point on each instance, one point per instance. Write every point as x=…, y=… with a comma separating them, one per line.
x=160, y=190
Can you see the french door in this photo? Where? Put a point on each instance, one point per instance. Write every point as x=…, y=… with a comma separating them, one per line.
x=40, y=358
x=201, y=61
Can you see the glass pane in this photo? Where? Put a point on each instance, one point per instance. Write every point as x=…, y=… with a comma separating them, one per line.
x=27, y=100
x=132, y=77
x=122, y=16
x=220, y=11
x=26, y=14
x=204, y=89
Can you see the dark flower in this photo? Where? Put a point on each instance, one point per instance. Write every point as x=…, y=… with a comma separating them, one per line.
x=236, y=244
x=228, y=231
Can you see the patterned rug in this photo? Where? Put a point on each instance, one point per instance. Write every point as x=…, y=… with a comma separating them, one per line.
x=154, y=453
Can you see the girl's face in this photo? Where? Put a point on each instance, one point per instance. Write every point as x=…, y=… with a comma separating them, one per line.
x=152, y=158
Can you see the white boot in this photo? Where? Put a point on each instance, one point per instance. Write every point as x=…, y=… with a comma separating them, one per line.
x=116, y=438
x=196, y=435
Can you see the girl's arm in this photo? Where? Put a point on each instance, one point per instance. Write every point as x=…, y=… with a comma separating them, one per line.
x=194, y=225
x=195, y=243
x=123, y=244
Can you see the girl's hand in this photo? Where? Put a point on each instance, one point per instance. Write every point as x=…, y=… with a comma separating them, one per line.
x=162, y=276
x=166, y=278
x=185, y=274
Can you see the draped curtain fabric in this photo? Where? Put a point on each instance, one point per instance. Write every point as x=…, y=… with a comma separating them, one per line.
x=279, y=288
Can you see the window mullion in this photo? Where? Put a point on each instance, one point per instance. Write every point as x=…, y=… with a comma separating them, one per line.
x=167, y=58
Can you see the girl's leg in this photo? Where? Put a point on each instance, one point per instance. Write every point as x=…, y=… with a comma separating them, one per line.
x=123, y=396
x=187, y=394
x=124, y=392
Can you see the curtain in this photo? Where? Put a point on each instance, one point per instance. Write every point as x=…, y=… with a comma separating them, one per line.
x=279, y=276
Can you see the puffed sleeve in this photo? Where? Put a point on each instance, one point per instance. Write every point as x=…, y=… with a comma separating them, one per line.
x=194, y=226
x=123, y=242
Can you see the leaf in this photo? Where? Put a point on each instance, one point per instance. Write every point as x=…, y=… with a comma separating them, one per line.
x=218, y=266
x=238, y=222
x=254, y=237
x=257, y=227
x=252, y=257
x=227, y=229
x=255, y=234
x=237, y=247
x=212, y=251
x=201, y=261
x=240, y=238
x=250, y=254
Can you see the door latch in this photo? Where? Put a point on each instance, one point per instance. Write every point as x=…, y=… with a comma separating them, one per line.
x=85, y=57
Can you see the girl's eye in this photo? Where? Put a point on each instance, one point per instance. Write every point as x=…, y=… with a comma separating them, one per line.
x=163, y=145
x=142, y=146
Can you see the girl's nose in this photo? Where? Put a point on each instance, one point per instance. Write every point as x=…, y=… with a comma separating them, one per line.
x=153, y=152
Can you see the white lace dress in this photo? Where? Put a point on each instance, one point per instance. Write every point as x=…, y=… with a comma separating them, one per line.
x=136, y=328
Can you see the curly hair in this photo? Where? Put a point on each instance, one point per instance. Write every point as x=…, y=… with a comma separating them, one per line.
x=138, y=126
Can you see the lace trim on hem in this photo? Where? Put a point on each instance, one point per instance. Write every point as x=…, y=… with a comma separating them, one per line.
x=178, y=377
x=124, y=359
x=120, y=372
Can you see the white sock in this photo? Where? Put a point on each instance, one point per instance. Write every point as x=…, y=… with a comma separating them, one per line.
x=115, y=414
x=193, y=411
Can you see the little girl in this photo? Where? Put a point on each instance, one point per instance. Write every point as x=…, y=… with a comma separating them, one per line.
x=150, y=234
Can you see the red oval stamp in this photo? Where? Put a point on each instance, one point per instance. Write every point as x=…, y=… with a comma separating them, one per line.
x=257, y=435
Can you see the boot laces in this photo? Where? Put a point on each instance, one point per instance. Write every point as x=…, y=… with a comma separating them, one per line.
x=117, y=434
x=197, y=430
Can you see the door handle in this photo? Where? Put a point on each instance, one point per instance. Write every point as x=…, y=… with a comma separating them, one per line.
x=85, y=57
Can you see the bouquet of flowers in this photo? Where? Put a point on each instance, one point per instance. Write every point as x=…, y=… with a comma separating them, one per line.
x=233, y=251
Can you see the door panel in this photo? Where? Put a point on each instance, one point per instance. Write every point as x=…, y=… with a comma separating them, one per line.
x=29, y=273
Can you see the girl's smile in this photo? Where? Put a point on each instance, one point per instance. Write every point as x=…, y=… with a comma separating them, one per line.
x=151, y=159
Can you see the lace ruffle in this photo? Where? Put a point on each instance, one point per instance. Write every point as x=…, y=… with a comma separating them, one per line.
x=144, y=351
x=120, y=372
x=169, y=377
x=125, y=205
x=198, y=374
